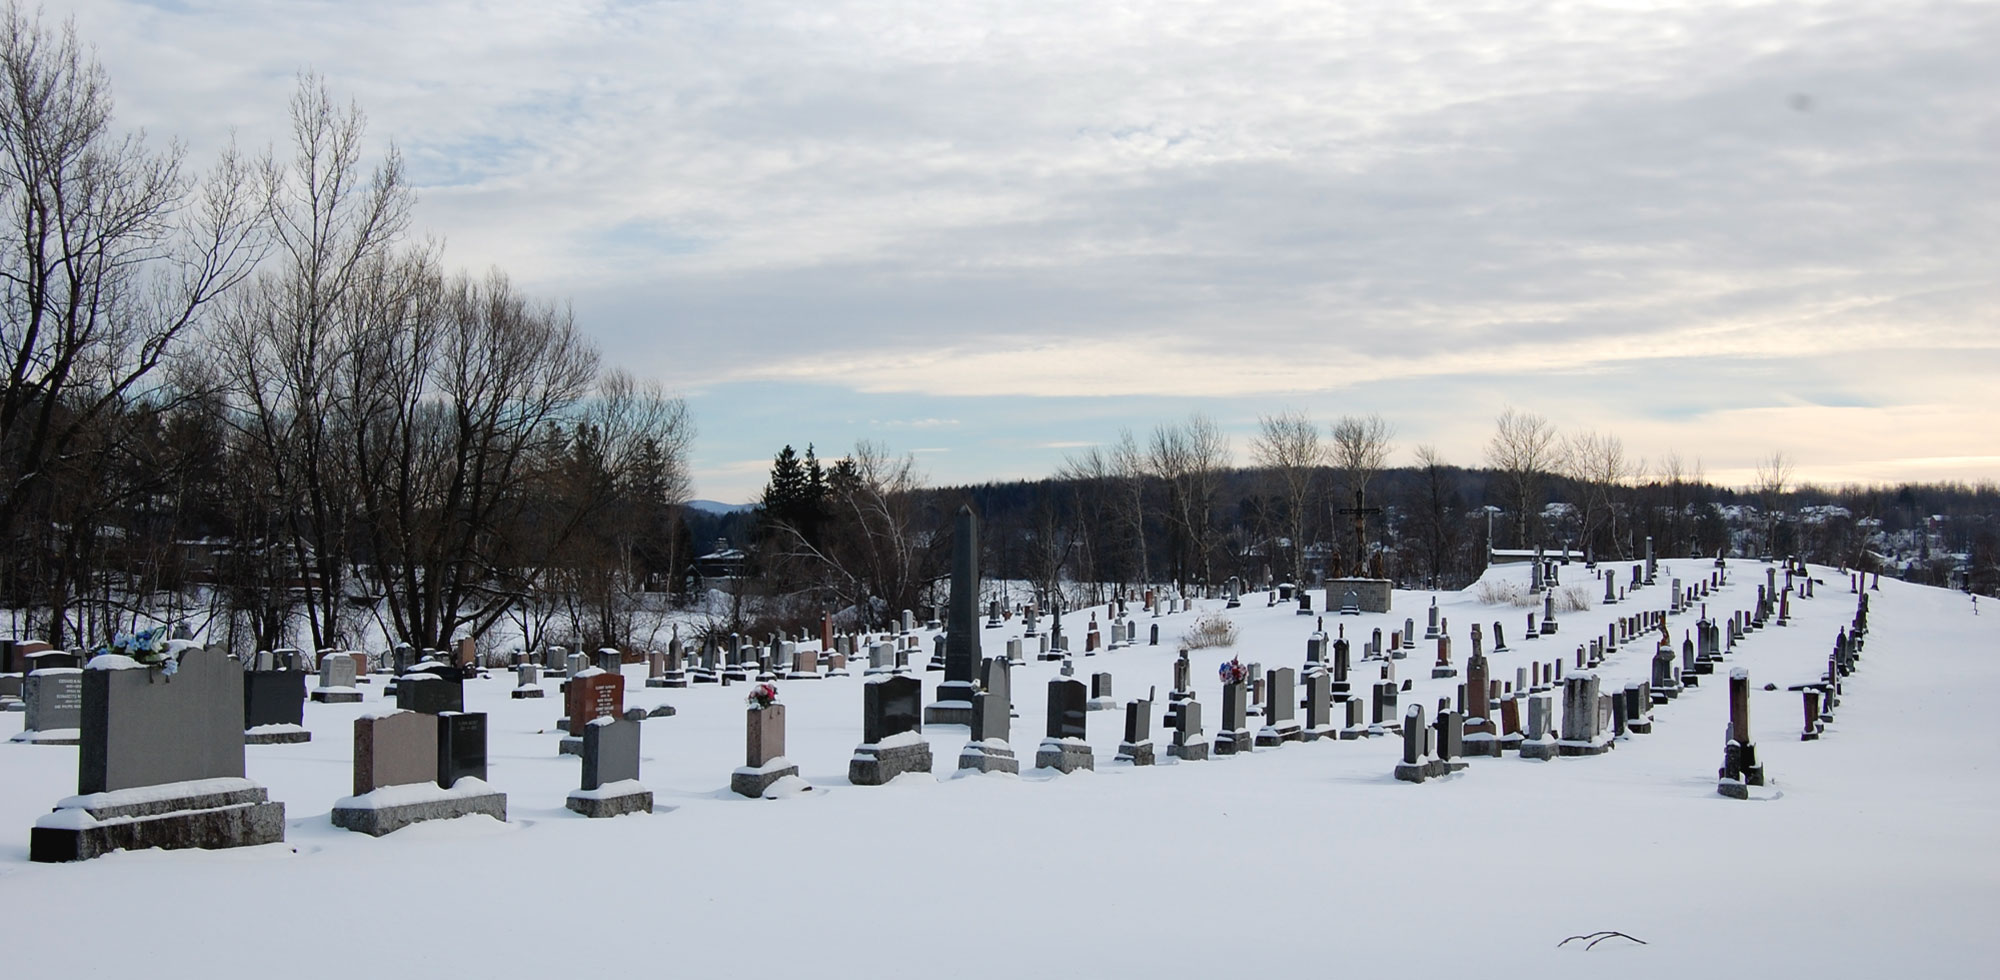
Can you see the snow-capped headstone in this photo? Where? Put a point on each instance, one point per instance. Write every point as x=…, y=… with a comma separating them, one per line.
x=1064, y=749
x=180, y=739
x=1280, y=724
x=891, y=731
x=1235, y=734
x=336, y=680
x=274, y=706
x=1137, y=747
x=611, y=784
x=53, y=699
x=992, y=709
x=764, y=752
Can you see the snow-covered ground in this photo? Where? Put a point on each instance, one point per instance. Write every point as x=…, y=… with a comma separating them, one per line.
x=1870, y=854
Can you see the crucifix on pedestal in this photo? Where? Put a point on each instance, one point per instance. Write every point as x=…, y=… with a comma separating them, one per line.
x=1360, y=510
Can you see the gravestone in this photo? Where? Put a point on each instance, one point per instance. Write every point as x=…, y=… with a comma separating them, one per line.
x=611, y=784
x=1100, y=693
x=1582, y=729
x=592, y=694
x=1235, y=734
x=1740, y=767
x=1189, y=744
x=992, y=709
x=764, y=752
x=528, y=682
x=892, y=740
x=961, y=652
x=1064, y=748
x=274, y=707
x=160, y=764
x=1414, y=766
x=53, y=700
x=1137, y=747
x=336, y=680
x=1319, y=708
x=1280, y=725
x=397, y=775
x=461, y=747
x=431, y=692
x=1541, y=742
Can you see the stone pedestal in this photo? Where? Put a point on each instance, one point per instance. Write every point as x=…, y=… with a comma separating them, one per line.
x=1136, y=753
x=335, y=695
x=1064, y=755
x=204, y=813
x=1230, y=743
x=391, y=808
x=752, y=781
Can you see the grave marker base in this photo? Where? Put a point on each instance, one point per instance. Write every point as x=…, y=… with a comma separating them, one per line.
x=948, y=713
x=428, y=803
x=991, y=755
x=53, y=736
x=1136, y=753
x=334, y=695
x=1271, y=736
x=1230, y=743
x=1189, y=751
x=611, y=800
x=752, y=782
x=521, y=693
x=215, y=813
x=873, y=765
x=277, y=735
x=1064, y=755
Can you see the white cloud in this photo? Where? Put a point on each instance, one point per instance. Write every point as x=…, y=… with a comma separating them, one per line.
x=1045, y=198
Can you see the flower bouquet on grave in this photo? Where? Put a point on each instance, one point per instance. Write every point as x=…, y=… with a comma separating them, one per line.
x=762, y=696
x=148, y=647
x=1233, y=672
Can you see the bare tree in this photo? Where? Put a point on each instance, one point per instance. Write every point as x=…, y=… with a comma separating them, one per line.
x=1361, y=447
x=1773, y=476
x=1524, y=448
x=468, y=381
x=1190, y=459
x=110, y=259
x=1288, y=446
x=1127, y=468
x=293, y=339
x=1434, y=513
x=1596, y=462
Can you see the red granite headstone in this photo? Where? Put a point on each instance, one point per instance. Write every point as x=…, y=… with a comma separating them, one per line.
x=594, y=695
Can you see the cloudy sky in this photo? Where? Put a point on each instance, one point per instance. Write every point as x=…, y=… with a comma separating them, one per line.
x=991, y=233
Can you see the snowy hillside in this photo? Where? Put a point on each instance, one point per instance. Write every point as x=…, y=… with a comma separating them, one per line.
x=1868, y=855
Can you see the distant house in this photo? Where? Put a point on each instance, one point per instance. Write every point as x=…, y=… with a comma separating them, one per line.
x=723, y=562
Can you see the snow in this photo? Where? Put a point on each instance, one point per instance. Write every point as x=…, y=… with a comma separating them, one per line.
x=276, y=729
x=156, y=793
x=609, y=791
x=387, y=796
x=47, y=735
x=1867, y=855
x=114, y=661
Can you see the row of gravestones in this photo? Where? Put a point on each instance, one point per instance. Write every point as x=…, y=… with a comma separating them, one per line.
x=161, y=760
x=1592, y=721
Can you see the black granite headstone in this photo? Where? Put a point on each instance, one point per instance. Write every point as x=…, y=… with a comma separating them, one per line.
x=1068, y=706
x=273, y=697
x=431, y=692
x=461, y=746
x=891, y=705
x=610, y=751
